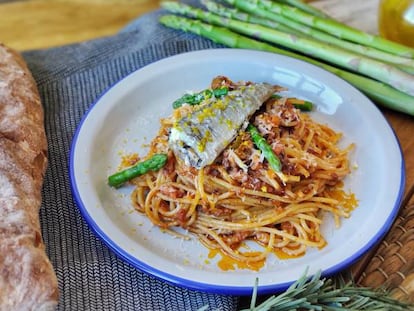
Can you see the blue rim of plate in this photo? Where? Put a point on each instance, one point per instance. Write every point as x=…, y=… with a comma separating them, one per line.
x=214, y=288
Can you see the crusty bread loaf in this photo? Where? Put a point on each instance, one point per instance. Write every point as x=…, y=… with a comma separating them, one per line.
x=27, y=278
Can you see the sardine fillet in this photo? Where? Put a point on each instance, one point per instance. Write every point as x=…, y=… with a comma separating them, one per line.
x=201, y=136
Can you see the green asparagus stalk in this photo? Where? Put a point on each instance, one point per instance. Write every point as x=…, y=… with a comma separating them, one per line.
x=265, y=18
x=304, y=7
x=156, y=162
x=346, y=59
x=303, y=105
x=195, y=99
x=221, y=10
x=381, y=93
x=265, y=148
x=325, y=24
x=267, y=151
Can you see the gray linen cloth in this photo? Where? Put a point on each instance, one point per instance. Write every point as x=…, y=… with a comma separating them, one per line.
x=70, y=79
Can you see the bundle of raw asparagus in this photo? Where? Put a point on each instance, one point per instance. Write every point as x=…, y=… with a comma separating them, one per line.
x=382, y=69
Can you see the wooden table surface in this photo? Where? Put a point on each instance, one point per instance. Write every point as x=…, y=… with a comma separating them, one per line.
x=35, y=24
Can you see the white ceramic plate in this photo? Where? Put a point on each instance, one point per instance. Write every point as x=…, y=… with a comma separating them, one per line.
x=127, y=116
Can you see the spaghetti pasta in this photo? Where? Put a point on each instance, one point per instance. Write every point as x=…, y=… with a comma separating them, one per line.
x=239, y=198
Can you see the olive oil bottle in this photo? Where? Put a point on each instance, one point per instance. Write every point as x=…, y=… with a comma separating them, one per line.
x=396, y=20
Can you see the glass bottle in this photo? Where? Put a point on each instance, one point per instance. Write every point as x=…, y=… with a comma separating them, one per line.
x=396, y=20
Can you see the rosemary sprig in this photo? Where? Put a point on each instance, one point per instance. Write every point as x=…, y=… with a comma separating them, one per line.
x=325, y=294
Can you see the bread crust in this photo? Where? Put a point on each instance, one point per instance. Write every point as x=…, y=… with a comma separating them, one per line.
x=27, y=278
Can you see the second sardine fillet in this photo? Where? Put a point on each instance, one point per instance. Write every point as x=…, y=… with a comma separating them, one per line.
x=199, y=137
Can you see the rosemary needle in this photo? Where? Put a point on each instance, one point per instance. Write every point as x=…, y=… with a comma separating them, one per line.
x=327, y=295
